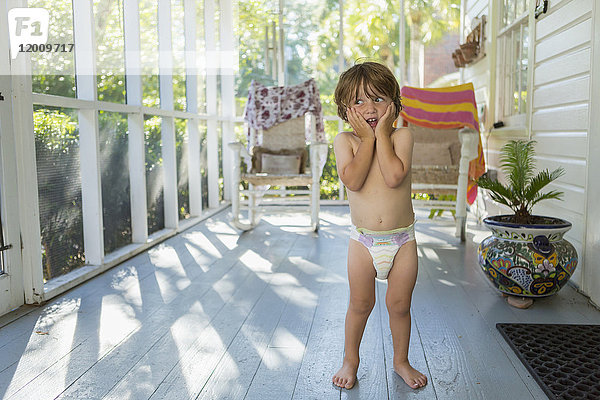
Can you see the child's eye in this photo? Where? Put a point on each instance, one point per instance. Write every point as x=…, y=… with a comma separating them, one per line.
x=378, y=100
x=358, y=101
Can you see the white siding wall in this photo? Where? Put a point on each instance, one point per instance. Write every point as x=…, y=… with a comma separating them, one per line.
x=560, y=112
x=479, y=72
x=566, y=42
x=591, y=277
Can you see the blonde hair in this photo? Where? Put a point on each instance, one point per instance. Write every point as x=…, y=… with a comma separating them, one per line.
x=374, y=78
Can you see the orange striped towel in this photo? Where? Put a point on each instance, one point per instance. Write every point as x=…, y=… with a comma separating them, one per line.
x=446, y=108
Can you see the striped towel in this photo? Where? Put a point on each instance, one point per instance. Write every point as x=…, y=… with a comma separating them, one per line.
x=446, y=108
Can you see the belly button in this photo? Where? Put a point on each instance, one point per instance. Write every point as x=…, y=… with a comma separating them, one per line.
x=380, y=220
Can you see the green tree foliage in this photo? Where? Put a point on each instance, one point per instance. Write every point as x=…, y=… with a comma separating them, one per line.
x=59, y=187
x=154, y=173
x=114, y=180
x=255, y=18
x=181, y=150
x=54, y=73
x=110, y=50
x=428, y=21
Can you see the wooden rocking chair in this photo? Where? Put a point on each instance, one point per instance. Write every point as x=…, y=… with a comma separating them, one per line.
x=446, y=160
x=280, y=161
x=440, y=167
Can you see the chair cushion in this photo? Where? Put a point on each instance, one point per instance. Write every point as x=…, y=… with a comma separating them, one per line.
x=294, y=163
x=431, y=154
x=281, y=164
x=278, y=180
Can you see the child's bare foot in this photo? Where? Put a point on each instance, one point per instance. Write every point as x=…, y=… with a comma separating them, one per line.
x=411, y=376
x=346, y=376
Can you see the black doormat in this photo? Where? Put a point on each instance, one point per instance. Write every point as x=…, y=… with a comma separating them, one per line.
x=563, y=359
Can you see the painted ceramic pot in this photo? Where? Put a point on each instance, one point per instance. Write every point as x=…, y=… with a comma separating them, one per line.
x=527, y=260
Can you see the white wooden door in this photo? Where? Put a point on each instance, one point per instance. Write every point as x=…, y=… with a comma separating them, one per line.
x=11, y=271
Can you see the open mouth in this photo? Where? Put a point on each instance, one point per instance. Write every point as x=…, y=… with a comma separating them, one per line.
x=372, y=122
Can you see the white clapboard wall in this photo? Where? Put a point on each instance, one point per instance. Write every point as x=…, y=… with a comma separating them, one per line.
x=558, y=118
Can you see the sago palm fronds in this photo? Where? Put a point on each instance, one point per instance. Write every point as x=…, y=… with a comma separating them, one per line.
x=523, y=188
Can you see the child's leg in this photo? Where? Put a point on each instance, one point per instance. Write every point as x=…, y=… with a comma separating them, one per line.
x=361, y=277
x=401, y=282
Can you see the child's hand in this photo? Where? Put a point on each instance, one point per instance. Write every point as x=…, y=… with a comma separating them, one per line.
x=362, y=129
x=385, y=126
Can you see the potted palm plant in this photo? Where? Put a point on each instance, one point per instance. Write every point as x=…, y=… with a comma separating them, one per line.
x=526, y=256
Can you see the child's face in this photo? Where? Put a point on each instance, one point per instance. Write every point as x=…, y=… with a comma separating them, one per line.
x=371, y=106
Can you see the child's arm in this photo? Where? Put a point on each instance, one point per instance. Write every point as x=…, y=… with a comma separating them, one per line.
x=394, y=150
x=353, y=168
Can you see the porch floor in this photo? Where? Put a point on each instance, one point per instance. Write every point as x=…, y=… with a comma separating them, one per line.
x=215, y=314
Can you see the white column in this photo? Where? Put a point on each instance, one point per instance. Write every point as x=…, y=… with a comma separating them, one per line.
x=421, y=65
x=85, y=74
x=531, y=68
x=191, y=84
x=211, y=105
x=11, y=284
x=227, y=70
x=402, y=46
x=273, y=49
x=165, y=67
x=491, y=44
x=461, y=33
x=280, y=48
x=135, y=121
x=17, y=118
x=267, y=56
x=341, y=66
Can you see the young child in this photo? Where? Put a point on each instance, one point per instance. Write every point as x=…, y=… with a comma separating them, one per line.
x=374, y=163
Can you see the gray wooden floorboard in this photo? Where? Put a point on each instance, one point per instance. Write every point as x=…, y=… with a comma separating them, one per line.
x=91, y=369
x=212, y=293
x=448, y=364
x=54, y=319
x=51, y=317
x=283, y=356
x=179, y=365
x=477, y=342
x=278, y=372
x=493, y=308
x=213, y=313
x=80, y=322
x=325, y=346
x=236, y=369
x=324, y=349
x=490, y=304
